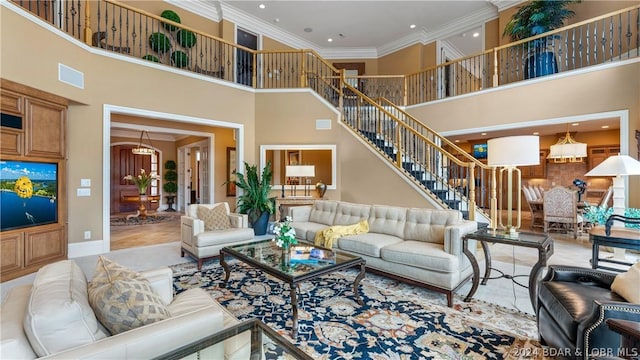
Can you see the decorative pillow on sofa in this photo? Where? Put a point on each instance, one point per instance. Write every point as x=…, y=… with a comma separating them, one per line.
x=123, y=299
x=627, y=284
x=58, y=316
x=214, y=218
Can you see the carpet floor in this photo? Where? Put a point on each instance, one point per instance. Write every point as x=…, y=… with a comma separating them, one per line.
x=397, y=321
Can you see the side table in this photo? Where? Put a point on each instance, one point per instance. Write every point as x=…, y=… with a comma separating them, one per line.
x=284, y=202
x=542, y=242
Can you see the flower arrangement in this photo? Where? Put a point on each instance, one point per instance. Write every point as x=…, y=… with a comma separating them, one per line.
x=143, y=180
x=285, y=234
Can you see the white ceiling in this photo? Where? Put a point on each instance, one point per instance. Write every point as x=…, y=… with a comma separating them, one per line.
x=362, y=28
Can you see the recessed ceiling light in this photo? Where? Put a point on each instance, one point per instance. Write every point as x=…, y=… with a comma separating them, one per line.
x=412, y=26
x=483, y=134
x=261, y=6
x=605, y=126
x=330, y=40
x=536, y=133
x=308, y=29
x=476, y=34
x=575, y=124
x=276, y=20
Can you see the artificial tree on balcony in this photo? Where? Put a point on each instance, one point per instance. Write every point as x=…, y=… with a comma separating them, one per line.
x=534, y=18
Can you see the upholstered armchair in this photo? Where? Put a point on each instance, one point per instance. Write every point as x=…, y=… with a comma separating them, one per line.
x=561, y=210
x=207, y=228
x=573, y=306
x=535, y=206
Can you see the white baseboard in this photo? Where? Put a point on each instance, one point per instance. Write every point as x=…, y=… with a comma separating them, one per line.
x=85, y=248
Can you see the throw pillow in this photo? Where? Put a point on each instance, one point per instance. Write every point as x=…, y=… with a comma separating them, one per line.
x=215, y=218
x=123, y=299
x=627, y=284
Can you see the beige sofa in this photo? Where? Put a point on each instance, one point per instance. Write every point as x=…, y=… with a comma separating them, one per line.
x=203, y=244
x=421, y=246
x=52, y=318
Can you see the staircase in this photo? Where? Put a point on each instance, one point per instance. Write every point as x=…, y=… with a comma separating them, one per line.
x=448, y=176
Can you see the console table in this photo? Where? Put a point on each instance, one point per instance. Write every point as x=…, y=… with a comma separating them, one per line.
x=542, y=242
x=284, y=202
x=141, y=200
x=618, y=237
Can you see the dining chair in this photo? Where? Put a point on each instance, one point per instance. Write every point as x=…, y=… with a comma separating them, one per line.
x=561, y=210
x=535, y=207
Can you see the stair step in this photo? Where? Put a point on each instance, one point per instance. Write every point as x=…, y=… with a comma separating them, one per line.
x=441, y=193
x=465, y=215
x=453, y=204
x=429, y=184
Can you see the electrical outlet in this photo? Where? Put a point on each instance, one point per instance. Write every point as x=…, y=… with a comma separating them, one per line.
x=87, y=235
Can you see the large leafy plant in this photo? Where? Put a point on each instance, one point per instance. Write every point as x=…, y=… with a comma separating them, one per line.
x=255, y=191
x=538, y=17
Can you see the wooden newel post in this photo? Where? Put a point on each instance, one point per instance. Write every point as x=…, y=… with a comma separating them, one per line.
x=87, y=22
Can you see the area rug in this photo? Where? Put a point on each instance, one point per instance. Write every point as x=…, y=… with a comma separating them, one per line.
x=151, y=219
x=397, y=321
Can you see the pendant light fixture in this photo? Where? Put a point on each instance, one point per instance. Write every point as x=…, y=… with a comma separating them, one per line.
x=143, y=150
x=567, y=150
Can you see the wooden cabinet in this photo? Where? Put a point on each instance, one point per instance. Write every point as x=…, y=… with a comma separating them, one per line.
x=33, y=129
x=598, y=154
x=536, y=171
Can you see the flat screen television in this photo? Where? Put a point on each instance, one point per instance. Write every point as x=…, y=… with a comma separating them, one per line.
x=28, y=194
x=480, y=151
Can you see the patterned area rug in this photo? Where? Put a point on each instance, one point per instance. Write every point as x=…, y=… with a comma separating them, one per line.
x=151, y=219
x=397, y=321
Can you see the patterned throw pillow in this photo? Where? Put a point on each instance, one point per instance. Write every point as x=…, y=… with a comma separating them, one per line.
x=215, y=218
x=123, y=299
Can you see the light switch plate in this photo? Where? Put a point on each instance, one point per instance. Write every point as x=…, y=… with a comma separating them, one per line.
x=84, y=192
x=85, y=182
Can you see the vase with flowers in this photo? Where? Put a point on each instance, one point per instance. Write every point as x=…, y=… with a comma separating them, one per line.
x=143, y=180
x=285, y=237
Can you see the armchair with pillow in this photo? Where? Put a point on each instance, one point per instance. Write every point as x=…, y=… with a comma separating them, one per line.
x=207, y=228
x=574, y=304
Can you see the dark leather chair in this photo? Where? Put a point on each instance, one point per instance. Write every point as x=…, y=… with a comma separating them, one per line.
x=573, y=305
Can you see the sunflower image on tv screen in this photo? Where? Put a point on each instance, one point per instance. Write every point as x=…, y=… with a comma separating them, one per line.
x=24, y=187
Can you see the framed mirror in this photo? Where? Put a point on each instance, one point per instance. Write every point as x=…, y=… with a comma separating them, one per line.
x=321, y=157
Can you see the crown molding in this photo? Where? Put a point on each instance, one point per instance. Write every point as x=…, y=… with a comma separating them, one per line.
x=505, y=4
x=348, y=53
x=264, y=28
x=205, y=8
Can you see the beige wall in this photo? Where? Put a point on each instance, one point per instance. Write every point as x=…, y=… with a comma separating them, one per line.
x=405, y=61
x=187, y=18
x=271, y=44
x=600, y=91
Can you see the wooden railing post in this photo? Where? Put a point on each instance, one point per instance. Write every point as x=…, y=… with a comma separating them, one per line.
x=254, y=71
x=87, y=23
x=472, y=191
x=303, y=69
x=341, y=91
x=495, y=68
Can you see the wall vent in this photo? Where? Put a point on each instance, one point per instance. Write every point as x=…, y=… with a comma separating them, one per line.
x=70, y=76
x=323, y=124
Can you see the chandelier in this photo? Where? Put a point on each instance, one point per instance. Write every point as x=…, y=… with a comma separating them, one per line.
x=567, y=150
x=143, y=150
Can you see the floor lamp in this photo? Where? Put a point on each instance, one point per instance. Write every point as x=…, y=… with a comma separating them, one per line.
x=508, y=153
x=617, y=166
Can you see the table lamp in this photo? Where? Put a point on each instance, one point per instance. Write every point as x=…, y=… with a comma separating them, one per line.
x=617, y=166
x=300, y=171
x=508, y=153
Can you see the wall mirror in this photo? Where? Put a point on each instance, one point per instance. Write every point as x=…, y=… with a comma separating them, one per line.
x=321, y=157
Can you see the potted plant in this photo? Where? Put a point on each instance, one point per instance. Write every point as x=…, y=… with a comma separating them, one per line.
x=534, y=18
x=255, y=200
x=170, y=186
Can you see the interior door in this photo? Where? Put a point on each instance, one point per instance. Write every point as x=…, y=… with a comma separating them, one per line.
x=244, y=59
x=124, y=162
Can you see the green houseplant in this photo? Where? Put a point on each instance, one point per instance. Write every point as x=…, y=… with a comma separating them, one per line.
x=255, y=200
x=170, y=186
x=534, y=18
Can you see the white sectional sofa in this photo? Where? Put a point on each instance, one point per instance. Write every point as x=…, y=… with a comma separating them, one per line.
x=52, y=319
x=420, y=246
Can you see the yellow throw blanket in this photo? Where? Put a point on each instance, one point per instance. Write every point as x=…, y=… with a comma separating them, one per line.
x=328, y=236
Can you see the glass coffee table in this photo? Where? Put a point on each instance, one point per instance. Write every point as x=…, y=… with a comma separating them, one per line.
x=268, y=258
x=251, y=339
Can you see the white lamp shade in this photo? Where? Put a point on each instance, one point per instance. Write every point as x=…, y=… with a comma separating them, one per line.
x=513, y=151
x=616, y=165
x=300, y=170
x=568, y=150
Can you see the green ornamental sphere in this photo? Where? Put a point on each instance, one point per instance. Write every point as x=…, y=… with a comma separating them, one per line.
x=186, y=38
x=180, y=59
x=151, y=58
x=159, y=42
x=171, y=15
